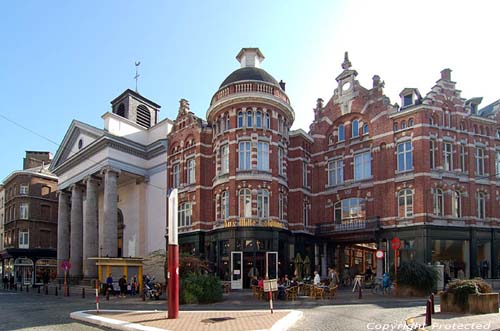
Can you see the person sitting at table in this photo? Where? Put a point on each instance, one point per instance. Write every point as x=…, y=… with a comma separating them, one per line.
x=260, y=283
x=286, y=281
x=293, y=282
x=317, y=279
x=254, y=281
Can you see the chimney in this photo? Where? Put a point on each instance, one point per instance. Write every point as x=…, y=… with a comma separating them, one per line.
x=282, y=84
x=250, y=57
x=446, y=74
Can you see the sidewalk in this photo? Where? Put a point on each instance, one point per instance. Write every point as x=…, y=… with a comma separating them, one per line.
x=453, y=321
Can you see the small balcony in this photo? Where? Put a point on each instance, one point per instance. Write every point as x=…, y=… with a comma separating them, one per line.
x=349, y=225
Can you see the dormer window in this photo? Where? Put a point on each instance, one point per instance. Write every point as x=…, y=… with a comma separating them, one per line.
x=407, y=100
x=473, y=108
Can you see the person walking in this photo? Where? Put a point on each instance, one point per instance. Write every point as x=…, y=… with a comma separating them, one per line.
x=109, y=284
x=133, y=285
x=123, y=286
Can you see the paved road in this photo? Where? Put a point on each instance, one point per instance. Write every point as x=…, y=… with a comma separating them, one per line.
x=21, y=311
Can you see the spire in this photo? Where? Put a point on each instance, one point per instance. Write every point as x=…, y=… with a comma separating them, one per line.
x=346, y=64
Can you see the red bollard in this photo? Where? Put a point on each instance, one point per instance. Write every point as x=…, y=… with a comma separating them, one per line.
x=432, y=303
x=360, y=293
x=428, y=309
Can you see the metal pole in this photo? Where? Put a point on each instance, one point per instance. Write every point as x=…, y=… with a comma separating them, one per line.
x=97, y=297
x=173, y=257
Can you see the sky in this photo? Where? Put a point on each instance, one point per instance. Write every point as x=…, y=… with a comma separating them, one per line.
x=65, y=60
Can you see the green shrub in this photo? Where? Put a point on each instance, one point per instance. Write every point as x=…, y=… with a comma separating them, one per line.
x=417, y=275
x=461, y=288
x=200, y=288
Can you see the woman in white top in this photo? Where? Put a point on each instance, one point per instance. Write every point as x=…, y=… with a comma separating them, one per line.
x=317, y=280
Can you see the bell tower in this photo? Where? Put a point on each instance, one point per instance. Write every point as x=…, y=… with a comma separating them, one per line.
x=136, y=108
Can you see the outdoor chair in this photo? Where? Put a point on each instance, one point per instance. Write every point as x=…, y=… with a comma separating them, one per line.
x=317, y=292
x=332, y=289
x=291, y=293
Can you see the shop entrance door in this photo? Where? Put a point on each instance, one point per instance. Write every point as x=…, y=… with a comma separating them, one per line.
x=236, y=270
x=272, y=265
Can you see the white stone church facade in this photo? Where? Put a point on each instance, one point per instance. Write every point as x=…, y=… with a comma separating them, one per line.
x=112, y=185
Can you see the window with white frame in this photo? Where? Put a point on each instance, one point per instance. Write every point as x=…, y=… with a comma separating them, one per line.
x=280, y=207
x=262, y=156
x=175, y=175
x=438, y=202
x=191, y=171
x=463, y=159
x=355, y=128
x=281, y=153
x=244, y=148
x=267, y=121
x=405, y=203
x=304, y=174
x=184, y=214
x=497, y=164
x=241, y=119
x=405, y=156
x=24, y=239
x=432, y=153
x=263, y=203
x=365, y=129
x=258, y=119
x=224, y=205
x=447, y=156
x=362, y=166
x=224, y=159
x=335, y=172
x=341, y=132
x=348, y=209
x=245, y=203
x=481, y=205
x=23, y=189
x=228, y=125
x=24, y=211
x=480, y=161
x=249, y=119
x=456, y=204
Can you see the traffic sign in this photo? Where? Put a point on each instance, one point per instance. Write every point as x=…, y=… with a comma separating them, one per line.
x=379, y=254
x=66, y=265
x=395, y=243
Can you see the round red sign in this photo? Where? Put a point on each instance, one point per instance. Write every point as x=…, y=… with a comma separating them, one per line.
x=395, y=243
x=66, y=265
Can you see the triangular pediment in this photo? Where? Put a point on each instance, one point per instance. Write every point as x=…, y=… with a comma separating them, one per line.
x=78, y=136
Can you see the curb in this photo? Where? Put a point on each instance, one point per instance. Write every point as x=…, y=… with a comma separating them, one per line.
x=88, y=316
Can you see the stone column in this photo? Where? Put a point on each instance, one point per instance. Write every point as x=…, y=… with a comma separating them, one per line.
x=62, y=231
x=110, y=238
x=76, y=230
x=90, y=238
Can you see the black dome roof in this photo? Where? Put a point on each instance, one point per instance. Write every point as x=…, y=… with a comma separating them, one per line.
x=249, y=73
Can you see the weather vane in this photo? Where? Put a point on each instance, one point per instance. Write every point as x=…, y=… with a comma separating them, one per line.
x=136, y=77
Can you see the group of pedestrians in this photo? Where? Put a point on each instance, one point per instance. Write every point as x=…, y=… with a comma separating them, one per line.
x=123, y=284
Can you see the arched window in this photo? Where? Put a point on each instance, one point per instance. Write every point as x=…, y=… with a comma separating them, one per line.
x=405, y=203
x=330, y=140
x=355, y=128
x=121, y=110
x=228, y=126
x=481, y=205
x=431, y=121
x=249, y=119
x=456, y=204
x=143, y=116
x=462, y=126
x=365, y=129
x=240, y=119
x=263, y=203
x=438, y=202
x=224, y=205
x=245, y=203
x=410, y=122
x=267, y=121
x=258, y=119
x=341, y=132
x=403, y=125
x=191, y=168
x=395, y=126
x=222, y=124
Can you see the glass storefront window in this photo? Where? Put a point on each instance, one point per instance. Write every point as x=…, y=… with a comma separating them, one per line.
x=454, y=255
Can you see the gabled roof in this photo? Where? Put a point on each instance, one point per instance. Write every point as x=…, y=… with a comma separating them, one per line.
x=489, y=109
x=137, y=95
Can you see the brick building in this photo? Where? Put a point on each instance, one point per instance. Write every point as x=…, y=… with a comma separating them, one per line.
x=30, y=221
x=255, y=197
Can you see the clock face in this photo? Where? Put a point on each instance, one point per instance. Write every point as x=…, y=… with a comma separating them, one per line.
x=346, y=86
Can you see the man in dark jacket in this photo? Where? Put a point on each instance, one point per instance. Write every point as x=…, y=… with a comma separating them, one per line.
x=123, y=286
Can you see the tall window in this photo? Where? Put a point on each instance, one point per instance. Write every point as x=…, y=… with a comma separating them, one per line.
x=335, y=172
x=191, y=170
x=281, y=153
x=244, y=155
x=224, y=205
x=405, y=157
x=228, y=125
x=240, y=119
x=143, y=116
x=410, y=122
x=456, y=204
x=24, y=211
x=23, y=189
x=355, y=128
x=224, y=159
x=405, y=203
x=267, y=121
x=438, y=202
x=447, y=156
x=280, y=206
x=262, y=156
x=184, y=214
x=249, y=119
x=432, y=153
x=306, y=214
x=245, y=203
x=24, y=239
x=258, y=119
x=497, y=164
x=479, y=161
x=304, y=174
x=175, y=175
x=341, y=132
x=347, y=209
x=463, y=163
x=263, y=203
x=365, y=129
x=362, y=166
x=481, y=205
